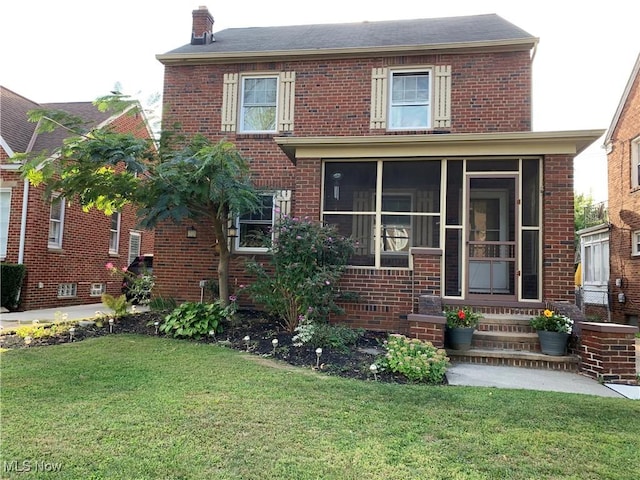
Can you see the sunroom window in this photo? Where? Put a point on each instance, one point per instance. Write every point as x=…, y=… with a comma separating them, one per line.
x=387, y=207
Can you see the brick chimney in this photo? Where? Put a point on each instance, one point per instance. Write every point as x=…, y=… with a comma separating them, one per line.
x=202, y=31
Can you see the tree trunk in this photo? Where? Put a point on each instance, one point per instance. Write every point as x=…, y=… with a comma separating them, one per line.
x=223, y=262
x=223, y=275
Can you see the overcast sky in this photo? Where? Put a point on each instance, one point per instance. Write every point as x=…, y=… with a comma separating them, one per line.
x=76, y=50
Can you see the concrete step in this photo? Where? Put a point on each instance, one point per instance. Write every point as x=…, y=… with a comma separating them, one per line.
x=505, y=323
x=515, y=358
x=501, y=340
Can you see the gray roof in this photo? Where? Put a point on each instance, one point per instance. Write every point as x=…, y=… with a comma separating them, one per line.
x=18, y=132
x=393, y=33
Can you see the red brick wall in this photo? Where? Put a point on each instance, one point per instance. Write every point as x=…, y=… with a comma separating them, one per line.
x=490, y=93
x=624, y=210
x=608, y=353
x=558, y=229
x=85, y=243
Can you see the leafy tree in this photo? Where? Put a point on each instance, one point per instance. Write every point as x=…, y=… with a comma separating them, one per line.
x=180, y=179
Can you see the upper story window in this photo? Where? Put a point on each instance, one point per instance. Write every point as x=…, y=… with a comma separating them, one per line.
x=255, y=229
x=56, y=221
x=410, y=101
x=635, y=246
x=114, y=233
x=411, y=98
x=258, y=103
x=635, y=163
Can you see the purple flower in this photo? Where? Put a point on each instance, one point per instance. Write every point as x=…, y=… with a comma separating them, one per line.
x=232, y=298
x=327, y=282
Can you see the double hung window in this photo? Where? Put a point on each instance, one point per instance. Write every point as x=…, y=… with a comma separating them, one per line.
x=259, y=104
x=114, y=233
x=56, y=221
x=635, y=163
x=410, y=105
x=255, y=229
x=5, y=208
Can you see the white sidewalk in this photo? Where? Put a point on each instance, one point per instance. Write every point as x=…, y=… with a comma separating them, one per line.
x=76, y=312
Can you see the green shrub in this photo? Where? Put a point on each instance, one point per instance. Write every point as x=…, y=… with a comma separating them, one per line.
x=11, y=278
x=162, y=304
x=195, y=320
x=417, y=360
x=307, y=261
x=338, y=337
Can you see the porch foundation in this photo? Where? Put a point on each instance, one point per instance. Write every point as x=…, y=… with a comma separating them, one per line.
x=607, y=352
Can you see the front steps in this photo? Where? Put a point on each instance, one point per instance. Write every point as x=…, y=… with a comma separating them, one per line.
x=508, y=340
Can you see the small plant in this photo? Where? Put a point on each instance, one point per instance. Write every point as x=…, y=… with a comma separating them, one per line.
x=461, y=317
x=118, y=304
x=196, y=320
x=162, y=304
x=303, y=332
x=42, y=331
x=339, y=337
x=417, y=360
x=551, y=321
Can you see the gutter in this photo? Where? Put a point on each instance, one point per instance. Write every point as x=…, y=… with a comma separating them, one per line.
x=23, y=221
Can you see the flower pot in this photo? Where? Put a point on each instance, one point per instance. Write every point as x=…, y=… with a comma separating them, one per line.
x=458, y=338
x=553, y=343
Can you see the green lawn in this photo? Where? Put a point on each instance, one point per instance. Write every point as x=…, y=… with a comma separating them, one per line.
x=136, y=407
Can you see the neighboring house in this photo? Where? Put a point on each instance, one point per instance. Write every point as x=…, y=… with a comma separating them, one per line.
x=623, y=158
x=413, y=137
x=63, y=248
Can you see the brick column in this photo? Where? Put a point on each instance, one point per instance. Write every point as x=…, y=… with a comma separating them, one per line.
x=429, y=328
x=608, y=353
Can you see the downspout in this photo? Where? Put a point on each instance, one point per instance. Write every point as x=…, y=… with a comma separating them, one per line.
x=23, y=221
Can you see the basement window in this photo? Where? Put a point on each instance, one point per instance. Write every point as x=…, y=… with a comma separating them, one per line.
x=97, y=289
x=67, y=290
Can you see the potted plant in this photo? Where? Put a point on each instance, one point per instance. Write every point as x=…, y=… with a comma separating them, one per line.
x=553, y=331
x=461, y=323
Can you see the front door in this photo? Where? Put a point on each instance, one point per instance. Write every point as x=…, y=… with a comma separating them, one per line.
x=491, y=236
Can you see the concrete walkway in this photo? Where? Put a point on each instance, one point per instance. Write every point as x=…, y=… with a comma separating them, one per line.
x=76, y=312
x=458, y=374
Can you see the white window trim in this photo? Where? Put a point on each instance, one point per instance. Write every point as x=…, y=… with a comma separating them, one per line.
x=635, y=163
x=97, y=289
x=590, y=241
x=133, y=253
x=57, y=243
x=4, y=235
x=429, y=104
x=113, y=249
x=243, y=78
x=281, y=207
x=635, y=246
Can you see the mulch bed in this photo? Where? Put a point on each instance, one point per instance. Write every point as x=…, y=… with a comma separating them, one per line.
x=352, y=363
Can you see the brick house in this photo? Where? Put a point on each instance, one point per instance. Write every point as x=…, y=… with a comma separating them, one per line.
x=413, y=137
x=623, y=159
x=63, y=248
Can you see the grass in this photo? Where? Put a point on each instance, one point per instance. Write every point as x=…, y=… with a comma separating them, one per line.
x=129, y=407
